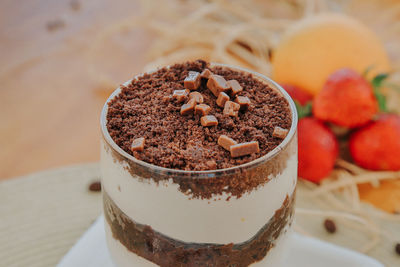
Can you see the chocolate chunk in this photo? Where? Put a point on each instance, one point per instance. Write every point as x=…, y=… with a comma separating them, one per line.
x=231, y=108
x=192, y=81
x=235, y=86
x=243, y=149
x=209, y=120
x=188, y=107
x=397, y=248
x=137, y=144
x=180, y=95
x=211, y=164
x=95, y=186
x=226, y=142
x=217, y=84
x=206, y=74
x=202, y=109
x=330, y=226
x=197, y=97
x=280, y=132
x=243, y=101
x=222, y=98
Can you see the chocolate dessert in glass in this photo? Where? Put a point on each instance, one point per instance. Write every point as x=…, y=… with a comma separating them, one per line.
x=199, y=168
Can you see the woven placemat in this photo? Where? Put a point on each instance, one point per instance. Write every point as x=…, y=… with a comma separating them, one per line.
x=44, y=214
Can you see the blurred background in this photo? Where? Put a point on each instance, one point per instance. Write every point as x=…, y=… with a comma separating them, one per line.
x=61, y=59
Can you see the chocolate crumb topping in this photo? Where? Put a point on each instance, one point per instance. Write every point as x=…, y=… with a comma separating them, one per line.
x=144, y=108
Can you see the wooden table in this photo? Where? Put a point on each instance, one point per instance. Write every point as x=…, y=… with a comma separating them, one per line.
x=49, y=103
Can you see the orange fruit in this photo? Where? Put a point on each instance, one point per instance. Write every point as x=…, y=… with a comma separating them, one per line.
x=315, y=47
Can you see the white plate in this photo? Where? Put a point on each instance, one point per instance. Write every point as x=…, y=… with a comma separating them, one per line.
x=91, y=251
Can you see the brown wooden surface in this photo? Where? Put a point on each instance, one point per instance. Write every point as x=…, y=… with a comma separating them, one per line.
x=49, y=104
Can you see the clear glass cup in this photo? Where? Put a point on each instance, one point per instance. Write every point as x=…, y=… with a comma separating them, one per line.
x=154, y=215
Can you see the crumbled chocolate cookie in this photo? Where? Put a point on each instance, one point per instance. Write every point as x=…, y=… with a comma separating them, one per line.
x=145, y=109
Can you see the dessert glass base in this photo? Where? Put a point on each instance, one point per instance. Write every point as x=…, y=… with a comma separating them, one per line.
x=237, y=216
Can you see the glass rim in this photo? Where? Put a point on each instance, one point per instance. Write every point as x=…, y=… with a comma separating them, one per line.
x=205, y=173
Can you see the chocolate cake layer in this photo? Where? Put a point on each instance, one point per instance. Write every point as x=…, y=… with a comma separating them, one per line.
x=146, y=108
x=168, y=252
x=234, y=182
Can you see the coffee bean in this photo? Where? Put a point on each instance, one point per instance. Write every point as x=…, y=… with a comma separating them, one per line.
x=95, y=186
x=397, y=248
x=330, y=226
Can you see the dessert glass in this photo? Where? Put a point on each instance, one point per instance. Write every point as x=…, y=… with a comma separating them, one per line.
x=159, y=216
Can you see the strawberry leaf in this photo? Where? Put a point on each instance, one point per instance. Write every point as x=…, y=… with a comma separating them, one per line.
x=378, y=80
x=377, y=84
x=303, y=110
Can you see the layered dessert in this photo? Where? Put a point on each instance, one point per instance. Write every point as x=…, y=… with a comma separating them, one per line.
x=199, y=168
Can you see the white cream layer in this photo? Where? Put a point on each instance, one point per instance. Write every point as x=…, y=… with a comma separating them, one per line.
x=172, y=213
x=122, y=257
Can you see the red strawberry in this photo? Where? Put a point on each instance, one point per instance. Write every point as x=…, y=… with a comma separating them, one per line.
x=318, y=149
x=346, y=99
x=297, y=94
x=377, y=145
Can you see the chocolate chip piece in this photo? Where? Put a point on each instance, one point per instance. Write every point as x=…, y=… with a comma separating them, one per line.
x=137, y=144
x=235, y=86
x=231, y=109
x=206, y=74
x=180, y=95
x=197, y=97
x=209, y=120
x=188, y=107
x=330, y=226
x=95, y=186
x=226, y=142
x=202, y=109
x=192, y=81
x=243, y=101
x=217, y=84
x=397, y=248
x=243, y=149
x=280, y=132
x=222, y=98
